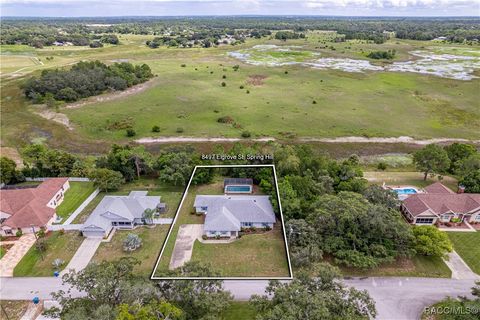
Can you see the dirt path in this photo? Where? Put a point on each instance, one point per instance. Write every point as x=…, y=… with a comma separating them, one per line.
x=403, y=139
x=194, y=139
x=112, y=95
x=54, y=116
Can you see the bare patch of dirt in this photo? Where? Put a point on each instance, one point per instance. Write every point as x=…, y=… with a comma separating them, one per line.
x=256, y=79
x=13, y=154
x=112, y=95
x=54, y=116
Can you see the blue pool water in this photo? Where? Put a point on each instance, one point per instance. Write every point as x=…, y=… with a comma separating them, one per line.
x=238, y=189
x=405, y=191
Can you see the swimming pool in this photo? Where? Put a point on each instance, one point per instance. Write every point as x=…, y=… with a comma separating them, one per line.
x=238, y=189
x=402, y=191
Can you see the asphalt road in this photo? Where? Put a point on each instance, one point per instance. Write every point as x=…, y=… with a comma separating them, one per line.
x=396, y=298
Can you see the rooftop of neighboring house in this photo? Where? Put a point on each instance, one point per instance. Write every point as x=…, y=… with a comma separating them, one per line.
x=226, y=212
x=121, y=208
x=29, y=206
x=439, y=199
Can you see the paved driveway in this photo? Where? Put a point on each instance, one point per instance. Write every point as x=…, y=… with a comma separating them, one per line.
x=182, y=252
x=83, y=255
x=15, y=254
x=460, y=270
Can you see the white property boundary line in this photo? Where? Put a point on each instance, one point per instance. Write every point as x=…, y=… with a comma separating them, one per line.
x=153, y=277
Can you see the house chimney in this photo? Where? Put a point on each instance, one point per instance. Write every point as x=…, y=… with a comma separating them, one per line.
x=461, y=189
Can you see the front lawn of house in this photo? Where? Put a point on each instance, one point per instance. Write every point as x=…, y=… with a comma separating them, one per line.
x=417, y=266
x=253, y=255
x=74, y=197
x=239, y=310
x=415, y=179
x=147, y=254
x=467, y=245
x=61, y=246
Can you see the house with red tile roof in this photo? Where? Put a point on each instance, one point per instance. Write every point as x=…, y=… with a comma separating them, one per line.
x=30, y=209
x=440, y=204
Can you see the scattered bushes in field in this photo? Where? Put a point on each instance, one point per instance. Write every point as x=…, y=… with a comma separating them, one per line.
x=246, y=134
x=155, y=129
x=224, y=84
x=248, y=91
x=236, y=67
x=183, y=65
x=85, y=79
x=121, y=124
x=179, y=130
x=224, y=77
x=131, y=132
x=225, y=119
x=286, y=72
x=382, y=166
x=314, y=102
x=388, y=55
x=96, y=44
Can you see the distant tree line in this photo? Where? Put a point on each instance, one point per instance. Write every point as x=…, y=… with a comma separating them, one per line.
x=84, y=79
x=81, y=31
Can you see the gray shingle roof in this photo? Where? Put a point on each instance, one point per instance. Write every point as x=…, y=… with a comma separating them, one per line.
x=120, y=208
x=227, y=212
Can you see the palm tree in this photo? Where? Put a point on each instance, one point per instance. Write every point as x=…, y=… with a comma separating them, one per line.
x=148, y=215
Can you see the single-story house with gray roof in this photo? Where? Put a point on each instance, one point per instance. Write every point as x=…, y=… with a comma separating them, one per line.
x=121, y=212
x=226, y=215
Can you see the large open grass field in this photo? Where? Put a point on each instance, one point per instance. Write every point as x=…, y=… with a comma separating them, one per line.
x=278, y=101
x=467, y=245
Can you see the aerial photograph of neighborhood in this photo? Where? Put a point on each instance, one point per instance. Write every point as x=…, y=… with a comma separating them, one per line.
x=240, y=159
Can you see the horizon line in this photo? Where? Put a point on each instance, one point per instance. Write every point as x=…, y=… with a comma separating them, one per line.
x=245, y=15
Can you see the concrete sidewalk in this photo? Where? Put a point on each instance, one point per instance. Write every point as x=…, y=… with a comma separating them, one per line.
x=460, y=270
x=10, y=260
x=84, y=254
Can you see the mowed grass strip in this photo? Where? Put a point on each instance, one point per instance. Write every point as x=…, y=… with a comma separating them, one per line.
x=253, y=255
x=467, y=245
x=147, y=254
x=61, y=246
x=239, y=310
x=74, y=197
x=417, y=266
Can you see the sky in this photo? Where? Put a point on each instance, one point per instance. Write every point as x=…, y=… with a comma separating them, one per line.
x=92, y=8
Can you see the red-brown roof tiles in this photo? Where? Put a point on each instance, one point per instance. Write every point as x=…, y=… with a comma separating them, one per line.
x=29, y=206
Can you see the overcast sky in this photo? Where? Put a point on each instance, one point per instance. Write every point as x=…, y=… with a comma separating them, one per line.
x=76, y=8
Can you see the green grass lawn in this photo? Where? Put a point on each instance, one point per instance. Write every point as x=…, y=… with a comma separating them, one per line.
x=415, y=179
x=254, y=255
x=58, y=246
x=147, y=254
x=418, y=266
x=467, y=245
x=74, y=197
x=239, y=310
